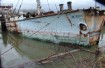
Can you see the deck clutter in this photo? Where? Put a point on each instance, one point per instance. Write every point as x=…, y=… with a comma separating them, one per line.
x=80, y=26
x=69, y=29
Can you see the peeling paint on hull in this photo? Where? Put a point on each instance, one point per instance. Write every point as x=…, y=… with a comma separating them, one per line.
x=64, y=27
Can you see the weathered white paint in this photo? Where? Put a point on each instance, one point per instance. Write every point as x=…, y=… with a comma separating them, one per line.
x=55, y=28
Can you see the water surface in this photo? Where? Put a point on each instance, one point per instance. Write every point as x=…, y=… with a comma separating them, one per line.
x=19, y=52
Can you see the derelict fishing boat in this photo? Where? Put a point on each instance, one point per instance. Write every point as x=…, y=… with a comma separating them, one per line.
x=80, y=27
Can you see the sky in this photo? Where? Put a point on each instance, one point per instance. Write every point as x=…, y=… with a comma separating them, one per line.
x=31, y=4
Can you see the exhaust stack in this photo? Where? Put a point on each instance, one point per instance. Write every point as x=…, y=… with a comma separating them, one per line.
x=61, y=7
x=69, y=5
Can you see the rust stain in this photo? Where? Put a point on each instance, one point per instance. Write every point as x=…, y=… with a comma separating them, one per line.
x=68, y=19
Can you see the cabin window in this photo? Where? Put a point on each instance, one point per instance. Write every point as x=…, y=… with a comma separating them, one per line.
x=83, y=27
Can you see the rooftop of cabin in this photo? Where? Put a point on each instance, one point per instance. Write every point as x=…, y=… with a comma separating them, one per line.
x=6, y=5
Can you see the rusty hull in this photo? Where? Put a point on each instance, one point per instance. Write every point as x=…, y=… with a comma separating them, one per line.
x=98, y=21
x=93, y=21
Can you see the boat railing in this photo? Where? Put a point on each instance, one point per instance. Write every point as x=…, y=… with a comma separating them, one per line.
x=6, y=4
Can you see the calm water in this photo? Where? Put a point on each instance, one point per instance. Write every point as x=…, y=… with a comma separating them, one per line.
x=19, y=52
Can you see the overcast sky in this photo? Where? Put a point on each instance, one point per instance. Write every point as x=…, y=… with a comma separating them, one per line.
x=31, y=4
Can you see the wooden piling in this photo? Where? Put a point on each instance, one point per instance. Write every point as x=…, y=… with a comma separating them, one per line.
x=3, y=22
x=0, y=61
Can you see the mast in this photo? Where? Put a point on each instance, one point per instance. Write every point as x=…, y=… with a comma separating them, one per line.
x=0, y=2
x=38, y=7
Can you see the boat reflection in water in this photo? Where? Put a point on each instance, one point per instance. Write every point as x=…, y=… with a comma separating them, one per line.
x=17, y=47
x=102, y=39
x=17, y=52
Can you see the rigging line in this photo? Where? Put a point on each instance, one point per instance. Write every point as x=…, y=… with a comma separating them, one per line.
x=29, y=36
x=44, y=26
x=6, y=51
x=56, y=7
x=32, y=34
x=52, y=19
x=10, y=48
x=40, y=29
x=48, y=5
x=16, y=6
x=20, y=6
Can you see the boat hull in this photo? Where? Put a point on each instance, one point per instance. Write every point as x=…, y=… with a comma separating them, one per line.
x=62, y=28
x=57, y=28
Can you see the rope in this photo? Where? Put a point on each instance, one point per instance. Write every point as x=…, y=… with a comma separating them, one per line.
x=20, y=6
x=48, y=5
x=36, y=31
x=16, y=6
x=56, y=7
x=6, y=51
x=31, y=35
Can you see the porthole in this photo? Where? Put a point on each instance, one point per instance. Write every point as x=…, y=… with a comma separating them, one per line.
x=83, y=27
